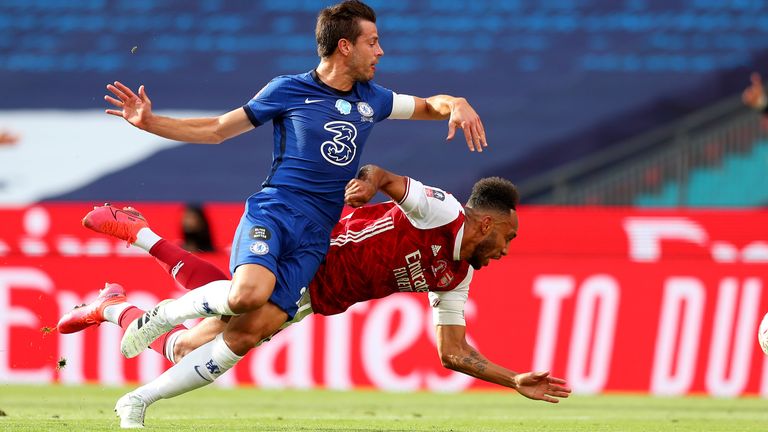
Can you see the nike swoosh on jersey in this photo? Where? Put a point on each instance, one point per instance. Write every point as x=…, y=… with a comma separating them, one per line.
x=308, y=100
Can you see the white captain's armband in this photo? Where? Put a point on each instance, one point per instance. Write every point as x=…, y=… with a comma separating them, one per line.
x=448, y=306
x=402, y=106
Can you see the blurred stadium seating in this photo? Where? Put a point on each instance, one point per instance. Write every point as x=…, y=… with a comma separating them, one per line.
x=715, y=157
x=554, y=81
x=739, y=180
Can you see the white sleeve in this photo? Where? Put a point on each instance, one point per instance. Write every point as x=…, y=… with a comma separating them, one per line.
x=402, y=106
x=448, y=306
x=427, y=207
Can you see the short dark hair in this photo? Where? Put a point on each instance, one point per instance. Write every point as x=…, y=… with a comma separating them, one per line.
x=494, y=193
x=340, y=21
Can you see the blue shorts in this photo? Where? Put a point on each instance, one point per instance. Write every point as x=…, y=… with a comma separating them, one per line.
x=286, y=242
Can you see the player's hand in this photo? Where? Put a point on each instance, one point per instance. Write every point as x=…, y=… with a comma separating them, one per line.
x=8, y=138
x=754, y=95
x=358, y=193
x=135, y=109
x=541, y=386
x=464, y=116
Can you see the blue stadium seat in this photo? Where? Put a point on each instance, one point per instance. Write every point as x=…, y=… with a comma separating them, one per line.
x=740, y=181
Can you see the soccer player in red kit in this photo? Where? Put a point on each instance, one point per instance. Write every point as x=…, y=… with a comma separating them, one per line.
x=423, y=241
x=412, y=245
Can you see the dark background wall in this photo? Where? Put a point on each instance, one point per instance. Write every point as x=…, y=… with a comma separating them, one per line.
x=552, y=80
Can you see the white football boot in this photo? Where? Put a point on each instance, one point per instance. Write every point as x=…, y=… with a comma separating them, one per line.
x=131, y=410
x=144, y=330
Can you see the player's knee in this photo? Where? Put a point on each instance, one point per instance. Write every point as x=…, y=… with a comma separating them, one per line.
x=247, y=296
x=241, y=342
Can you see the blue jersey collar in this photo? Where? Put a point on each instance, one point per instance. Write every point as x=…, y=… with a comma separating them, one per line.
x=319, y=82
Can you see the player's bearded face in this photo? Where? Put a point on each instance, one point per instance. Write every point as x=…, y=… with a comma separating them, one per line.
x=484, y=251
x=360, y=72
x=496, y=243
x=365, y=53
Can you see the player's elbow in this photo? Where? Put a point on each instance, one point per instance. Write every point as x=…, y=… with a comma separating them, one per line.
x=215, y=138
x=446, y=361
x=450, y=359
x=218, y=130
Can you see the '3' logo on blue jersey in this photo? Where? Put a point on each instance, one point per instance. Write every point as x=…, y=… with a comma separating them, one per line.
x=342, y=148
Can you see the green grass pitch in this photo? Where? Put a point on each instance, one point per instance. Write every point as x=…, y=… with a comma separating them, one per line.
x=89, y=408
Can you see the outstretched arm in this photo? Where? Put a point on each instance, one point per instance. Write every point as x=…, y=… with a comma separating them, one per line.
x=459, y=113
x=371, y=179
x=136, y=109
x=456, y=354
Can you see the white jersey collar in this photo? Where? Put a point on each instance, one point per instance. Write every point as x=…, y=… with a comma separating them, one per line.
x=459, y=238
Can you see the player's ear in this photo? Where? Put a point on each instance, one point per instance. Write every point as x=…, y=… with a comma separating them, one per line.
x=344, y=47
x=486, y=223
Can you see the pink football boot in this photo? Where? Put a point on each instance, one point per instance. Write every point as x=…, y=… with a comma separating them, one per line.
x=122, y=224
x=86, y=315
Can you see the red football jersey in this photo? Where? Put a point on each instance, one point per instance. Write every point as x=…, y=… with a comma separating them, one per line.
x=377, y=250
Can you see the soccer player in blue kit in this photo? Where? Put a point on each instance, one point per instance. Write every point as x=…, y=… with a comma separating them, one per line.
x=321, y=121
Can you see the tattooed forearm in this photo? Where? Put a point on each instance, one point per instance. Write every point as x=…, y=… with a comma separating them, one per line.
x=474, y=363
x=471, y=362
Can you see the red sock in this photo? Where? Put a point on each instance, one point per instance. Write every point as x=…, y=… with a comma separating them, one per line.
x=187, y=269
x=130, y=314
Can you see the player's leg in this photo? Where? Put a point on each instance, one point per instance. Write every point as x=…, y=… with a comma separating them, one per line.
x=199, y=335
x=264, y=227
x=189, y=270
x=111, y=305
x=203, y=365
x=207, y=329
x=298, y=267
x=209, y=300
x=289, y=300
x=164, y=344
x=128, y=224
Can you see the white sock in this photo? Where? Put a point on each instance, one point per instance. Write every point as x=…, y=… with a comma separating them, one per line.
x=112, y=312
x=211, y=299
x=146, y=238
x=197, y=369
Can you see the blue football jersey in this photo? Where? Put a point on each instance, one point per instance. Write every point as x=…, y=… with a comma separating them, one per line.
x=319, y=135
